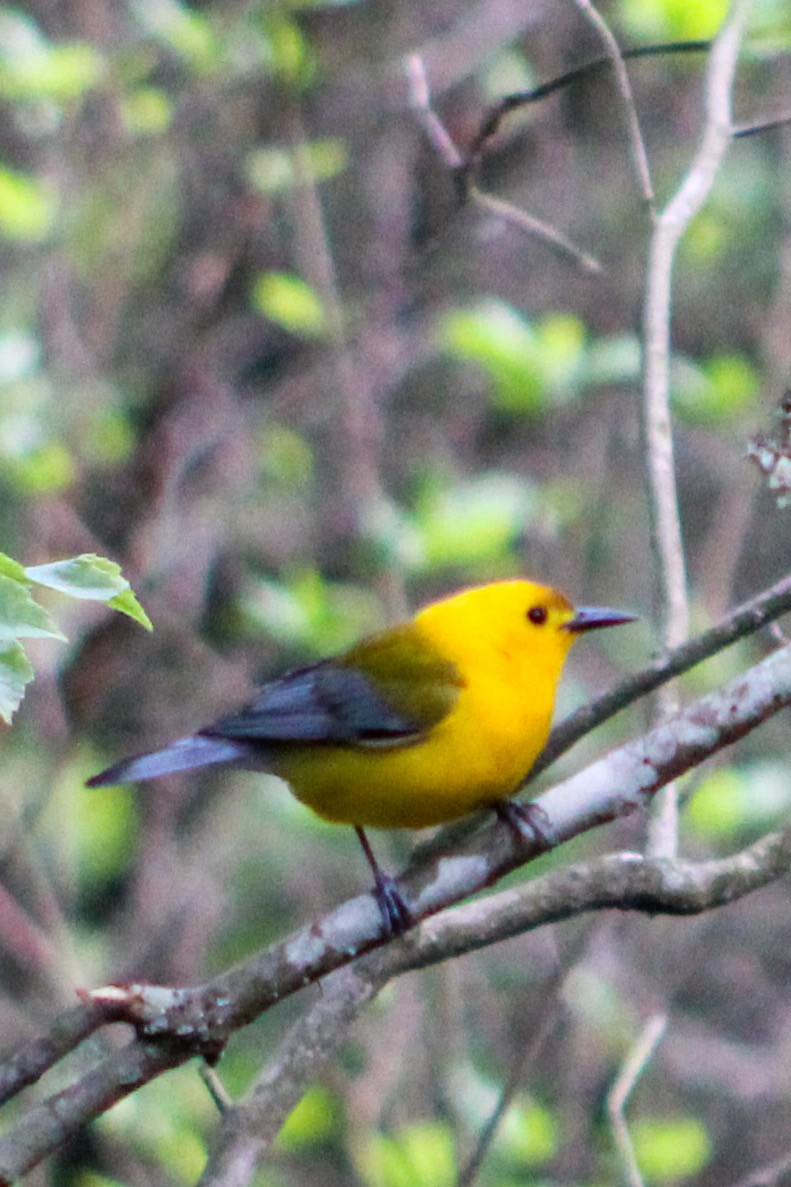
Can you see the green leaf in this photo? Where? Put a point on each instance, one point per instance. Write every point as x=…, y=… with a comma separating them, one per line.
x=184, y=31
x=16, y=671
x=85, y=576
x=20, y=356
x=127, y=603
x=109, y=438
x=670, y=1149
x=314, y=1120
x=61, y=73
x=41, y=469
x=310, y=613
x=11, y=568
x=88, y=1178
x=561, y=340
x=290, y=302
x=286, y=457
x=21, y=617
x=28, y=207
x=94, y=578
x=613, y=360
x=289, y=49
x=33, y=69
x=272, y=170
x=147, y=111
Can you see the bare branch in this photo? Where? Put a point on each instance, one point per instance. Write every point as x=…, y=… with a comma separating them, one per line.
x=460, y=169
x=248, y=1129
x=618, y=1097
x=420, y=102
x=657, y=427
x=637, y=145
x=534, y=226
x=174, y=1024
x=36, y=1057
x=493, y=119
x=625, y=881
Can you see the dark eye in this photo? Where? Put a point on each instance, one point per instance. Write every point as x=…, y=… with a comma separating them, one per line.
x=537, y=615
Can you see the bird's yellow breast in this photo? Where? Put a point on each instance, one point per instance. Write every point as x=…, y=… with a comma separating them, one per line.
x=477, y=754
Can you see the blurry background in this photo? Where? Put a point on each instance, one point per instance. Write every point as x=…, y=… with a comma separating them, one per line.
x=251, y=348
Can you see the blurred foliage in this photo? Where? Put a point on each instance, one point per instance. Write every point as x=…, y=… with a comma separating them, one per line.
x=741, y=801
x=670, y=1150
x=290, y=303
x=420, y=1155
x=178, y=181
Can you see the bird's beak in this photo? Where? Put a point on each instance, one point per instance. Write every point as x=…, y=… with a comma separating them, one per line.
x=593, y=618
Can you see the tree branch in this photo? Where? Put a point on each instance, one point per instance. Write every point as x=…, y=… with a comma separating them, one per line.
x=175, y=1023
x=625, y=881
x=657, y=425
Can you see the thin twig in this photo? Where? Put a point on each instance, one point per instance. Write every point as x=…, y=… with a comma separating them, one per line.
x=215, y=1087
x=618, y=1097
x=781, y=121
x=508, y=213
x=773, y=1175
x=420, y=102
x=526, y=1057
x=636, y=142
x=459, y=168
x=491, y=122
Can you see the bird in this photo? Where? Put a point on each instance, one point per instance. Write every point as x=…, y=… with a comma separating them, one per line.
x=420, y=724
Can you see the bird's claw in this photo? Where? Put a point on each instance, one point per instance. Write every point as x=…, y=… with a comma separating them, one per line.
x=396, y=915
x=527, y=822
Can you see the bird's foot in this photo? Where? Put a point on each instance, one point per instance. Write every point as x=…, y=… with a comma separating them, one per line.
x=396, y=915
x=527, y=822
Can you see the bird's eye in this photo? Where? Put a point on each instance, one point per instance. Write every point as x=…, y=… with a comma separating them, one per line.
x=537, y=615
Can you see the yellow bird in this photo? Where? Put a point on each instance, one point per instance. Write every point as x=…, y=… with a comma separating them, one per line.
x=420, y=724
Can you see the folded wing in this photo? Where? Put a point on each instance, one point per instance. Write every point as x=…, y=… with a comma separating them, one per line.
x=388, y=689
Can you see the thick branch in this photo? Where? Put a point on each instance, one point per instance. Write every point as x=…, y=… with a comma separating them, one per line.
x=625, y=881
x=174, y=1024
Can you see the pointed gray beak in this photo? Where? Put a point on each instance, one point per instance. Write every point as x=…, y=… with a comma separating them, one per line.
x=593, y=618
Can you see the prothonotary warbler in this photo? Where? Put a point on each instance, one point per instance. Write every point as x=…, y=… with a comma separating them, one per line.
x=440, y=716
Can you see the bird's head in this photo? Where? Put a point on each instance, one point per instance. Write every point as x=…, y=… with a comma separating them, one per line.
x=515, y=620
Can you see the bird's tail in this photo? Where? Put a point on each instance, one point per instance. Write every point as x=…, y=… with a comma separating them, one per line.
x=184, y=755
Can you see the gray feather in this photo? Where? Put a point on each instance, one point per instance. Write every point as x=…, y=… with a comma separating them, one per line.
x=184, y=755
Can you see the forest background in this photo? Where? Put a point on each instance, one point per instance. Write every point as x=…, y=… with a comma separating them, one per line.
x=262, y=345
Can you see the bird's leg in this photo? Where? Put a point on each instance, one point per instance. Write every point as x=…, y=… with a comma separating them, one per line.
x=396, y=915
x=527, y=822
